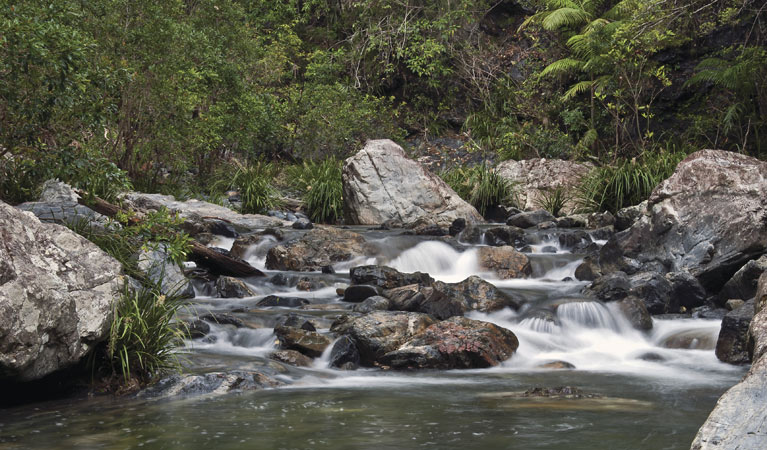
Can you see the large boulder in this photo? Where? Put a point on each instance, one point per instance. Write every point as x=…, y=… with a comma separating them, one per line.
x=708, y=219
x=155, y=263
x=456, y=343
x=380, y=183
x=535, y=177
x=319, y=247
x=57, y=293
x=738, y=421
x=378, y=333
x=58, y=203
x=742, y=285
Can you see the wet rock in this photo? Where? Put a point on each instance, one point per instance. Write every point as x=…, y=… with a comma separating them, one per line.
x=302, y=224
x=296, y=321
x=588, y=270
x=603, y=233
x=285, y=302
x=381, y=332
x=223, y=319
x=381, y=183
x=686, y=290
x=505, y=261
x=319, y=247
x=429, y=229
x=508, y=235
x=610, y=287
x=328, y=269
x=733, y=304
x=556, y=365
x=471, y=234
x=689, y=340
x=457, y=226
x=221, y=228
x=197, y=328
x=636, y=312
x=306, y=285
x=57, y=293
x=292, y=357
x=156, y=265
x=707, y=219
x=478, y=295
x=455, y=343
x=742, y=285
x=530, y=219
x=345, y=354
x=386, y=277
x=370, y=304
x=708, y=312
x=626, y=217
x=242, y=245
x=280, y=279
x=230, y=287
x=732, y=345
x=359, y=292
x=310, y=343
x=572, y=239
x=651, y=356
x=600, y=220
x=549, y=249
x=215, y=383
x=534, y=177
x=655, y=291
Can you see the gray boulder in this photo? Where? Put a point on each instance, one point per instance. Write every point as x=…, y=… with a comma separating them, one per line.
x=215, y=383
x=155, y=263
x=535, y=177
x=380, y=183
x=319, y=247
x=742, y=285
x=708, y=219
x=732, y=344
x=57, y=293
x=739, y=420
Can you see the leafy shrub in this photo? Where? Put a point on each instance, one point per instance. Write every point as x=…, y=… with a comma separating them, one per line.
x=321, y=185
x=94, y=174
x=143, y=337
x=612, y=187
x=20, y=179
x=480, y=185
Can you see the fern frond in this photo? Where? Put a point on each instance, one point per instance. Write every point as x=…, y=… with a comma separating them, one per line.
x=565, y=17
x=577, y=88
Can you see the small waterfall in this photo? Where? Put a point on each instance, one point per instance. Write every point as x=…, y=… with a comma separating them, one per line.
x=439, y=260
x=256, y=253
x=236, y=341
x=222, y=242
x=587, y=314
x=323, y=362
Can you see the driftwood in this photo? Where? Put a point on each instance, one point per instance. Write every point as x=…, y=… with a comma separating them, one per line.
x=217, y=262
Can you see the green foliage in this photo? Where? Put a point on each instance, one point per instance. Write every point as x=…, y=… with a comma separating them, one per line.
x=254, y=181
x=20, y=179
x=612, y=187
x=480, y=185
x=321, y=185
x=143, y=337
x=553, y=200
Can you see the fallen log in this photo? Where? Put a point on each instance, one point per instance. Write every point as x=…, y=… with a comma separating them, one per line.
x=215, y=261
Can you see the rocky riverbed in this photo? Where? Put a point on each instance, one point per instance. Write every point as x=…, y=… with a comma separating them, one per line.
x=438, y=330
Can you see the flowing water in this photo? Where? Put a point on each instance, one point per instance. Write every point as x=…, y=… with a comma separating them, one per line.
x=650, y=396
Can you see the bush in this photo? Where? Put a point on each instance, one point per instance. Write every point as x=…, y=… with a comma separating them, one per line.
x=612, y=187
x=143, y=336
x=553, y=200
x=322, y=188
x=480, y=185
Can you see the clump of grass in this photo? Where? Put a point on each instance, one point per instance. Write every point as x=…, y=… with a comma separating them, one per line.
x=615, y=186
x=322, y=188
x=480, y=185
x=143, y=337
x=254, y=181
x=553, y=200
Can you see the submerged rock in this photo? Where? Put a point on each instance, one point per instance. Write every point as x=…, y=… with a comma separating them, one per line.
x=456, y=343
x=505, y=261
x=322, y=246
x=57, y=294
x=381, y=332
x=556, y=365
x=284, y=302
x=223, y=319
x=215, y=383
x=380, y=183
